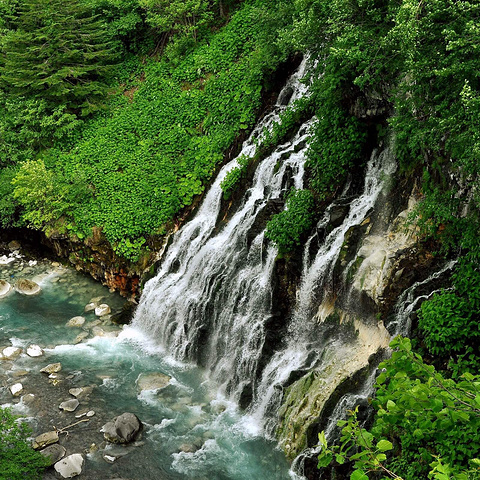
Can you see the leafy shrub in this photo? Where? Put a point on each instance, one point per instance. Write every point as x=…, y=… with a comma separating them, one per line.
x=234, y=176
x=18, y=460
x=428, y=424
x=287, y=227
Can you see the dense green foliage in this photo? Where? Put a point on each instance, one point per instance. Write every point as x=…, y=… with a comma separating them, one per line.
x=18, y=460
x=428, y=423
x=286, y=228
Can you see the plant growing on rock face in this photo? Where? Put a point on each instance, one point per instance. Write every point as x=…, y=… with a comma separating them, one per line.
x=18, y=460
x=428, y=423
x=287, y=227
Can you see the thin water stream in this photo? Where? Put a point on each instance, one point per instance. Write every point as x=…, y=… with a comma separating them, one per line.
x=189, y=431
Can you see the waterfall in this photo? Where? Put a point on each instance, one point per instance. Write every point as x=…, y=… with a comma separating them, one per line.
x=212, y=295
x=305, y=346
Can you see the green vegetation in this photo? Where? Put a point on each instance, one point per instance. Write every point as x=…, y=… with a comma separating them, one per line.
x=425, y=426
x=18, y=460
x=287, y=227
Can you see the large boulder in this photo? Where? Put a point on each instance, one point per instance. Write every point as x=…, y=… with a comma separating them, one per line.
x=27, y=287
x=70, y=466
x=123, y=429
x=5, y=288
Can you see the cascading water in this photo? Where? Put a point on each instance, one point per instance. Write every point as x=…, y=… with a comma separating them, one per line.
x=305, y=346
x=211, y=298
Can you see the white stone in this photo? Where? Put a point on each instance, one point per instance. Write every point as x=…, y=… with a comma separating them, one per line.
x=98, y=331
x=90, y=307
x=11, y=352
x=109, y=458
x=16, y=389
x=102, y=310
x=4, y=260
x=90, y=413
x=76, y=322
x=70, y=466
x=5, y=288
x=34, y=351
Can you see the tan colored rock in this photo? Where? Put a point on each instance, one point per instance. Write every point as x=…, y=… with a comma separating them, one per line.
x=76, y=322
x=52, y=368
x=10, y=353
x=5, y=288
x=27, y=287
x=45, y=439
x=152, y=381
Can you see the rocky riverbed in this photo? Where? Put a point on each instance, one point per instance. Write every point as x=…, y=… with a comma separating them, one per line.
x=79, y=379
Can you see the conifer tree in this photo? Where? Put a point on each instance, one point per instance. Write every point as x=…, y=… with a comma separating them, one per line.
x=59, y=53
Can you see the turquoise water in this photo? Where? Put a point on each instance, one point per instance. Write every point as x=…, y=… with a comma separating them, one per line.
x=189, y=432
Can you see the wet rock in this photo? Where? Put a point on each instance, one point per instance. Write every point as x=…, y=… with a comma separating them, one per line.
x=14, y=245
x=102, y=310
x=4, y=260
x=80, y=337
x=126, y=314
x=20, y=373
x=28, y=398
x=16, y=389
x=90, y=413
x=69, y=405
x=152, y=381
x=90, y=307
x=27, y=287
x=123, y=429
x=34, y=351
x=76, y=322
x=10, y=353
x=5, y=288
x=98, y=331
x=45, y=439
x=109, y=458
x=70, y=466
x=53, y=453
x=52, y=368
x=76, y=392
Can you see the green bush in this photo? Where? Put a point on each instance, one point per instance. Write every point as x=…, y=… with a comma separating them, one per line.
x=287, y=227
x=18, y=460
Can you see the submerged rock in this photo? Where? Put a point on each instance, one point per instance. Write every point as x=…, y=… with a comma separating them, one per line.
x=90, y=307
x=27, y=287
x=5, y=288
x=76, y=322
x=53, y=453
x=45, y=439
x=123, y=429
x=152, y=381
x=70, y=466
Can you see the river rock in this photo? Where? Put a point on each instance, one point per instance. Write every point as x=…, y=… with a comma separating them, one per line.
x=76, y=322
x=16, y=389
x=5, y=288
x=34, y=351
x=152, y=381
x=69, y=405
x=76, y=392
x=70, y=466
x=53, y=453
x=45, y=439
x=28, y=398
x=80, y=337
x=10, y=353
x=52, y=368
x=102, y=310
x=122, y=429
x=4, y=260
x=14, y=245
x=90, y=307
x=98, y=331
x=27, y=287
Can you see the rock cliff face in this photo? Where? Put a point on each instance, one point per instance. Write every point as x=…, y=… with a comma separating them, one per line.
x=380, y=257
